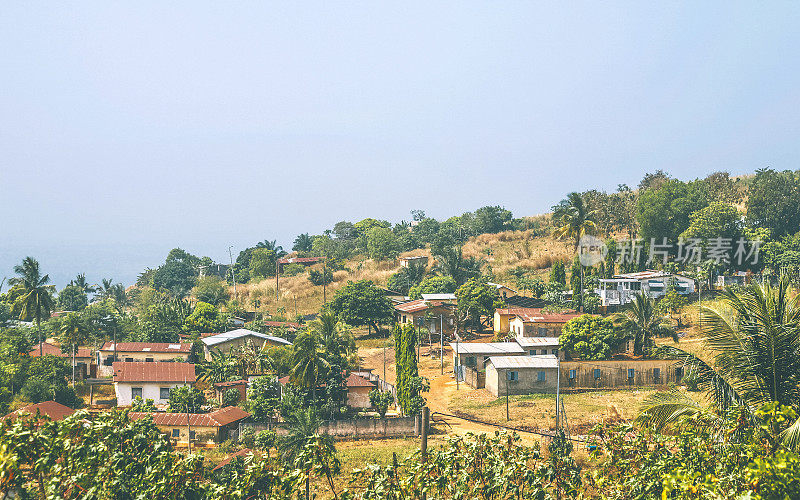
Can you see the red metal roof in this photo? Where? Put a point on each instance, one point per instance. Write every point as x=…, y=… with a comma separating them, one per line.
x=231, y=383
x=125, y=371
x=50, y=409
x=54, y=350
x=300, y=260
x=219, y=418
x=183, y=347
x=547, y=317
x=418, y=305
x=277, y=324
x=519, y=310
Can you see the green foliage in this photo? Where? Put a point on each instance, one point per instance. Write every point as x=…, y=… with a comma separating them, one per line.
x=558, y=274
x=382, y=244
x=451, y=262
x=262, y=263
x=590, y=338
x=433, y=284
x=475, y=299
x=138, y=404
x=302, y=243
x=642, y=321
x=210, y=289
x=407, y=277
x=380, y=401
x=410, y=385
x=483, y=467
x=294, y=269
x=773, y=201
x=185, y=397
x=263, y=398
x=72, y=298
x=665, y=211
x=175, y=277
x=318, y=278
x=361, y=303
x=265, y=439
x=205, y=318
x=230, y=397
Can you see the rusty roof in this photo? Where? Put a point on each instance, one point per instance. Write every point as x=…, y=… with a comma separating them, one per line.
x=231, y=383
x=54, y=350
x=133, y=371
x=300, y=260
x=50, y=409
x=547, y=317
x=176, y=347
x=219, y=418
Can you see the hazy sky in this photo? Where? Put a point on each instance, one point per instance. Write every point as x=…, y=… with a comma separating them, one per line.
x=129, y=128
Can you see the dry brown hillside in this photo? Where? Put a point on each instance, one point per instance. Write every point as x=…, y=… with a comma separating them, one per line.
x=502, y=251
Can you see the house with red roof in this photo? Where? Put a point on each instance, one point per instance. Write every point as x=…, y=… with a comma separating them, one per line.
x=531, y=322
x=204, y=429
x=432, y=314
x=150, y=380
x=83, y=356
x=358, y=389
x=50, y=409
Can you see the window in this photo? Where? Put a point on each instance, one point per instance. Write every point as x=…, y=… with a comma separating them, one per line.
x=656, y=374
x=532, y=352
x=540, y=377
x=129, y=360
x=542, y=332
x=631, y=372
x=191, y=434
x=163, y=393
x=573, y=373
x=136, y=392
x=512, y=376
x=176, y=433
x=554, y=352
x=678, y=374
x=148, y=360
x=470, y=361
x=597, y=373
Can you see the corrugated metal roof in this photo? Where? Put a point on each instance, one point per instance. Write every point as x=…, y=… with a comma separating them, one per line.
x=133, y=371
x=54, y=350
x=487, y=347
x=185, y=347
x=50, y=409
x=438, y=296
x=223, y=416
x=220, y=338
x=542, y=361
x=536, y=341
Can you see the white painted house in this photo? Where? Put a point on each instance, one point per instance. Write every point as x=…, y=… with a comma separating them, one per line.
x=150, y=380
x=620, y=289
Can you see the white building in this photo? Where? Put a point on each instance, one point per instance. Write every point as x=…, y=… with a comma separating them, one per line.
x=150, y=380
x=228, y=340
x=620, y=289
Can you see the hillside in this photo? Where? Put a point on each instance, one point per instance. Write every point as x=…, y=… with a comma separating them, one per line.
x=501, y=251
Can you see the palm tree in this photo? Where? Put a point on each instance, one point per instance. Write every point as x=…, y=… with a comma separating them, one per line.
x=415, y=272
x=36, y=299
x=451, y=262
x=338, y=343
x=303, y=243
x=308, y=361
x=220, y=368
x=573, y=220
x=754, y=335
x=120, y=296
x=106, y=288
x=272, y=245
x=80, y=282
x=643, y=322
x=73, y=331
x=302, y=425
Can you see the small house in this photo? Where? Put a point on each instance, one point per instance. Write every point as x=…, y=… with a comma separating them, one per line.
x=235, y=338
x=473, y=355
x=220, y=388
x=521, y=374
x=83, y=357
x=50, y=409
x=620, y=289
x=539, y=323
x=431, y=314
x=146, y=352
x=204, y=429
x=413, y=259
x=150, y=380
x=358, y=389
x=303, y=261
x=540, y=346
x=503, y=292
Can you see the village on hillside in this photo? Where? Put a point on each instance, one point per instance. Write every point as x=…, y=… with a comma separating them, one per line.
x=548, y=327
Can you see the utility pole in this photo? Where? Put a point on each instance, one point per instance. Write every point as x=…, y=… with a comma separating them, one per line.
x=277, y=284
x=441, y=342
x=233, y=274
x=423, y=445
x=324, y=278
x=558, y=394
x=508, y=380
x=456, y=363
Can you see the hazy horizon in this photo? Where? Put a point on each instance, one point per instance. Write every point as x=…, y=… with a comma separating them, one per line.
x=130, y=129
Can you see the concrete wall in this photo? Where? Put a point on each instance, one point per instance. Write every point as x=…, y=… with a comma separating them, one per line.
x=528, y=380
x=358, y=397
x=474, y=378
x=517, y=326
x=614, y=373
x=149, y=391
x=358, y=428
x=205, y=436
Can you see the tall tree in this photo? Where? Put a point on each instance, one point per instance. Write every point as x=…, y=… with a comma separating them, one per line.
x=573, y=219
x=754, y=334
x=362, y=303
x=72, y=332
x=643, y=321
x=36, y=299
x=309, y=363
x=302, y=243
